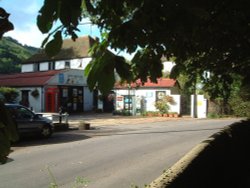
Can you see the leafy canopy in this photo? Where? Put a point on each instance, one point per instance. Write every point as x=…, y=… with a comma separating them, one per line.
x=5, y=24
x=8, y=131
x=202, y=35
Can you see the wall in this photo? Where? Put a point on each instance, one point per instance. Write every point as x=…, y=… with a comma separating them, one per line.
x=69, y=77
x=79, y=63
x=35, y=103
x=220, y=161
x=44, y=66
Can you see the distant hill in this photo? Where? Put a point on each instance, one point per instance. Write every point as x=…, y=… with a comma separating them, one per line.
x=12, y=53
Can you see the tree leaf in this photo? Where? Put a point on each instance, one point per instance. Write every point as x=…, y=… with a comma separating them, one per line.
x=54, y=46
x=47, y=15
x=123, y=68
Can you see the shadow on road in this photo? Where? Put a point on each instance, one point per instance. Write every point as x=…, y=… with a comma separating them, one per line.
x=72, y=136
x=120, y=133
x=56, y=138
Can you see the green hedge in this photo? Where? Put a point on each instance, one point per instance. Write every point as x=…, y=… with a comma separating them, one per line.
x=240, y=107
x=9, y=94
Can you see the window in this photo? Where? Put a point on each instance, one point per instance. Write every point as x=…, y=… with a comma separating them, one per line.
x=23, y=113
x=67, y=64
x=27, y=68
x=52, y=65
x=36, y=67
x=44, y=66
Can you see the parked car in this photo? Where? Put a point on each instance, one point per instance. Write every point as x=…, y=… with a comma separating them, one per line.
x=30, y=123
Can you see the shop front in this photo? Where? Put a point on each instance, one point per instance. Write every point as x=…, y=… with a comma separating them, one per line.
x=71, y=98
x=65, y=91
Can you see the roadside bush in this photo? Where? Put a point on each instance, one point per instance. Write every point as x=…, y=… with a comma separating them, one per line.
x=8, y=132
x=213, y=115
x=240, y=107
x=10, y=94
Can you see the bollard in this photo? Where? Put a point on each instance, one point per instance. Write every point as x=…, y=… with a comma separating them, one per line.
x=84, y=125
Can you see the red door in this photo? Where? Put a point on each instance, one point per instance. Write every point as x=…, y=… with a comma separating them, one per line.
x=51, y=100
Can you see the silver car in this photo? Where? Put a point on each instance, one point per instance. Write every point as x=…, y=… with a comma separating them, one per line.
x=29, y=123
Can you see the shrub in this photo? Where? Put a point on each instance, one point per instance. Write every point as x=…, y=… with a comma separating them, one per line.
x=10, y=94
x=213, y=115
x=240, y=107
x=8, y=132
x=163, y=104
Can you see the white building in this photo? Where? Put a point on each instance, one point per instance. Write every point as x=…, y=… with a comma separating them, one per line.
x=140, y=97
x=46, y=83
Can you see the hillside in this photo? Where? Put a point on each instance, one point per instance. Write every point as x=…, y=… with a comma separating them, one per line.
x=12, y=53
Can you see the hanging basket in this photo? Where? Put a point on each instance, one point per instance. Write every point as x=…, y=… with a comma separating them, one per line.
x=35, y=93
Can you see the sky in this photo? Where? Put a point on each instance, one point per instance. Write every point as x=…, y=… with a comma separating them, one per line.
x=23, y=14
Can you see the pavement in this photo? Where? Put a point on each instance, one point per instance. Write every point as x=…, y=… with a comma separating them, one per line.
x=108, y=119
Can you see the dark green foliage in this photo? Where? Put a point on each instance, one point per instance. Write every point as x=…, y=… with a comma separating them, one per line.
x=8, y=132
x=12, y=53
x=54, y=46
x=10, y=94
x=68, y=12
x=5, y=24
x=202, y=35
x=240, y=101
x=240, y=107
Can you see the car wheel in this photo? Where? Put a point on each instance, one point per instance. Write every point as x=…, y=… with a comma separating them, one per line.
x=46, y=132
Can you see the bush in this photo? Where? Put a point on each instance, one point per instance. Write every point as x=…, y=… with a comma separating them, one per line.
x=213, y=115
x=240, y=107
x=163, y=104
x=8, y=132
x=10, y=94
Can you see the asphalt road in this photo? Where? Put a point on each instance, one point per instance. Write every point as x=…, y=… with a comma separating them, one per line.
x=107, y=156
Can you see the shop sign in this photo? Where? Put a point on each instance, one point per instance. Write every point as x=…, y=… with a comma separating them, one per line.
x=60, y=78
x=119, y=102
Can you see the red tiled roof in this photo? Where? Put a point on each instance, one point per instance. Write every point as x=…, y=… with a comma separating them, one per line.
x=161, y=83
x=27, y=79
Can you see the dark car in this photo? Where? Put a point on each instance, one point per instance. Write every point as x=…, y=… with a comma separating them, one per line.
x=29, y=123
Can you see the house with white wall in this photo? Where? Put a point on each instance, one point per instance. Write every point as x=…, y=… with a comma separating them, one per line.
x=142, y=97
x=57, y=81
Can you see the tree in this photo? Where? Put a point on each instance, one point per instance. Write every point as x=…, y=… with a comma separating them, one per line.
x=202, y=35
x=5, y=24
x=8, y=132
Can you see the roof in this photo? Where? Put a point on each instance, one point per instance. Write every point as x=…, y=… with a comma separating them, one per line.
x=161, y=83
x=27, y=79
x=70, y=50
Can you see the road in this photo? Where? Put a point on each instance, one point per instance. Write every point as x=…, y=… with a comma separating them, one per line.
x=107, y=156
